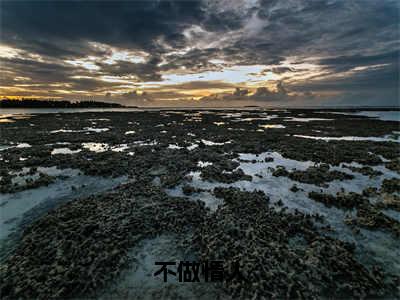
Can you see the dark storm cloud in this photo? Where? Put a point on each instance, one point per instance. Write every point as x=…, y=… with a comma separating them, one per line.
x=196, y=59
x=375, y=78
x=322, y=27
x=63, y=30
x=345, y=63
x=144, y=71
x=45, y=74
x=39, y=71
x=357, y=40
x=136, y=24
x=262, y=94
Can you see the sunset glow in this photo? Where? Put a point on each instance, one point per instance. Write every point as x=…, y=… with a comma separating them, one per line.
x=182, y=51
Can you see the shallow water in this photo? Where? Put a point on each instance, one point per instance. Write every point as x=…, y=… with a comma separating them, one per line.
x=211, y=143
x=269, y=126
x=96, y=147
x=381, y=115
x=278, y=188
x=174, y=147
x=19, y=209
x=262, y=117
x=138, y=280
x=103, y=147
x=352, y=138
x=293, y=119
x=64, y=151
x=20, y=145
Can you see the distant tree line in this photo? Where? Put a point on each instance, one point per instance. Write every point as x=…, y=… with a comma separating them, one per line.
x=35, y=103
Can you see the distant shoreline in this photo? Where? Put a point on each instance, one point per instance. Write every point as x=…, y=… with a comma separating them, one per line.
x=34, y=103
x=48, y=104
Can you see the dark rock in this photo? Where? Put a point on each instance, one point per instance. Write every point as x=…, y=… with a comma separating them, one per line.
x=279, y=254
x=366, y=170
x=269, y=159
x=341, y=200
x=391, y=185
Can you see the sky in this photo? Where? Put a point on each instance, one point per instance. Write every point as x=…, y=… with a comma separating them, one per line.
x=202, y=52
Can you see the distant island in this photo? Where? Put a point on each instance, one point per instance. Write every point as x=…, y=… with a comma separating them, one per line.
x=35, y=103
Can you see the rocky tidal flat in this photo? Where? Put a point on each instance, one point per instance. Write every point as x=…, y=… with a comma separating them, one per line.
x=305, y=202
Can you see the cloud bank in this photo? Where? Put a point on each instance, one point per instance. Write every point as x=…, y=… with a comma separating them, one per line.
x=269, y=52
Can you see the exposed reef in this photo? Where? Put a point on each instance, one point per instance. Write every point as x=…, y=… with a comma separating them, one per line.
x=195, y=174
x=318, y=175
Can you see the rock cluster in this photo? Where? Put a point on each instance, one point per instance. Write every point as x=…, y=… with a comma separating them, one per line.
x=7, y=185
x=393, y=165
x=317, y=175
x=214, y=173
x=372, y=218
x=151, y=152
x=341, y=200
x=368, y=215
x=77, y=248
x=391, y=185
x=189, y=190
x=280, y=255
x=365, y=170
x=389, y=201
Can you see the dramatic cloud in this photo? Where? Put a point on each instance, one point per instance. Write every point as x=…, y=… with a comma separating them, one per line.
x=268, y=52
